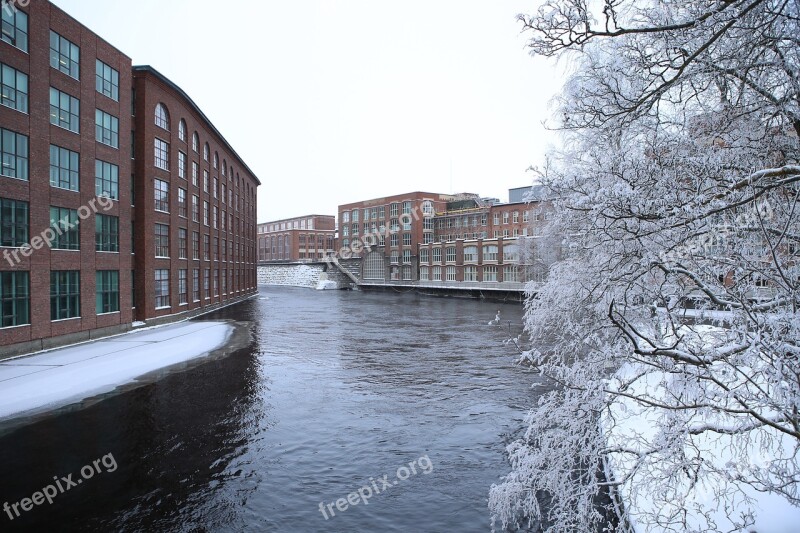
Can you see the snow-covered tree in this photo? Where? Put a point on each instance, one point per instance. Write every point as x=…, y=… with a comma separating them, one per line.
x=670, y=329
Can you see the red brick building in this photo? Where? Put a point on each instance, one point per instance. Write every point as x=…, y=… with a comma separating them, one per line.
x=306, y=238
x=73, y=264
x=195, y=217
x=396, y=225
x=430, y=239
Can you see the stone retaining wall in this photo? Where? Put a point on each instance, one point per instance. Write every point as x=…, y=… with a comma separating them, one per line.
x=290, y=275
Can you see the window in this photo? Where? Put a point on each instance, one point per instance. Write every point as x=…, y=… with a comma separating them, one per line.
x=162, y=119
x=393, y=210
x=525, y=215
x=182, y=243
x=161, y=154
x=470, y=273
x=65, y=294
x=106, y=179
x=162, y=240
x=195, y=141
x=162, y=288
x=393, y=239
x=64, y=55
x=216, y=249
x=15, y=27
x=106, y=233
x=355, y=215
x=490, y=252
x=346, y=216
x=224, y=281
x=216, y=160
x=14, y=85
x=195, y=208
x=205, y=213
x=182, y=203
x=206, y=284
x=161, y=190
x=64, y=168
x=406, y=239
x=470, y=254
x=216, y=282
x=424, y=273
x=194, y=173
x=406, y=272
x=107, y=291
x=395, y=257
x=215, y=188
x=424, y=255
x=406, y=256
x=490, y=273
x=206, y=247
x=450, y=273
x=510, y=253
x=450, y=253
x=516, y=217
x=106, y=80
x=65, y=223
x=205, y=181
x=215, y=217
x=196, y=285
x=510, y=273
x=14, y=292
x=13, y=222
x=182, y=130
x=183, y=293
x=65, y=110
x=505, y=217
x=106, y=128
x=437, y=273
x=437, y=255
x=181, y=165
x=14, y=152
x=195, y=246
x=205, y=152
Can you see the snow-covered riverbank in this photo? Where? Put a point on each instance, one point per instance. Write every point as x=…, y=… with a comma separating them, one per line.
x=60, y=377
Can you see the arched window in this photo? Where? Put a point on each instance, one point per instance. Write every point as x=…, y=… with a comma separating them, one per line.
x=216, y=160
x=195, y=142
x=182, y=130
x=162, y=118
x=205, y=151
x=224, y=167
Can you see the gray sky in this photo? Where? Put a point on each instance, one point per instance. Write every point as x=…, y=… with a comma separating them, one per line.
x=335, y=101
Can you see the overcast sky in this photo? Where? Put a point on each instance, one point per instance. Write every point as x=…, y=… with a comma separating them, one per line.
x=336, y=101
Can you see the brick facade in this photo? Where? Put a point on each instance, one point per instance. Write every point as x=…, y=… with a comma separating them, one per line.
x=306, y=238
x=28, y=324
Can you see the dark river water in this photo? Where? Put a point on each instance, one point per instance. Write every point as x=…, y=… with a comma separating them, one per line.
x=335, y=391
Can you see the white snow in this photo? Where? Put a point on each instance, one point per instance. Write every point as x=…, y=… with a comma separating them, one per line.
x=635, y=425
x=68, y=375
x=327, y=284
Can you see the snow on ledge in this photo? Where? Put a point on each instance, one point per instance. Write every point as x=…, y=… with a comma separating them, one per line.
x=68, y=375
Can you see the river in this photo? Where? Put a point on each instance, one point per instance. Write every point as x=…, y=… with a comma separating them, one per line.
x=335, y=391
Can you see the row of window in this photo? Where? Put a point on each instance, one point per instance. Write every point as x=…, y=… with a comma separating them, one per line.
x=65, y=295
x=488, y=273
x=379, y=213
x=221, y=249
x=65, y=292
x=64, y=222
x=216, y=280
x=161, y=120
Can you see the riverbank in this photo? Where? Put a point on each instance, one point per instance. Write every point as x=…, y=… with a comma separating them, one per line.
x=35, y=384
